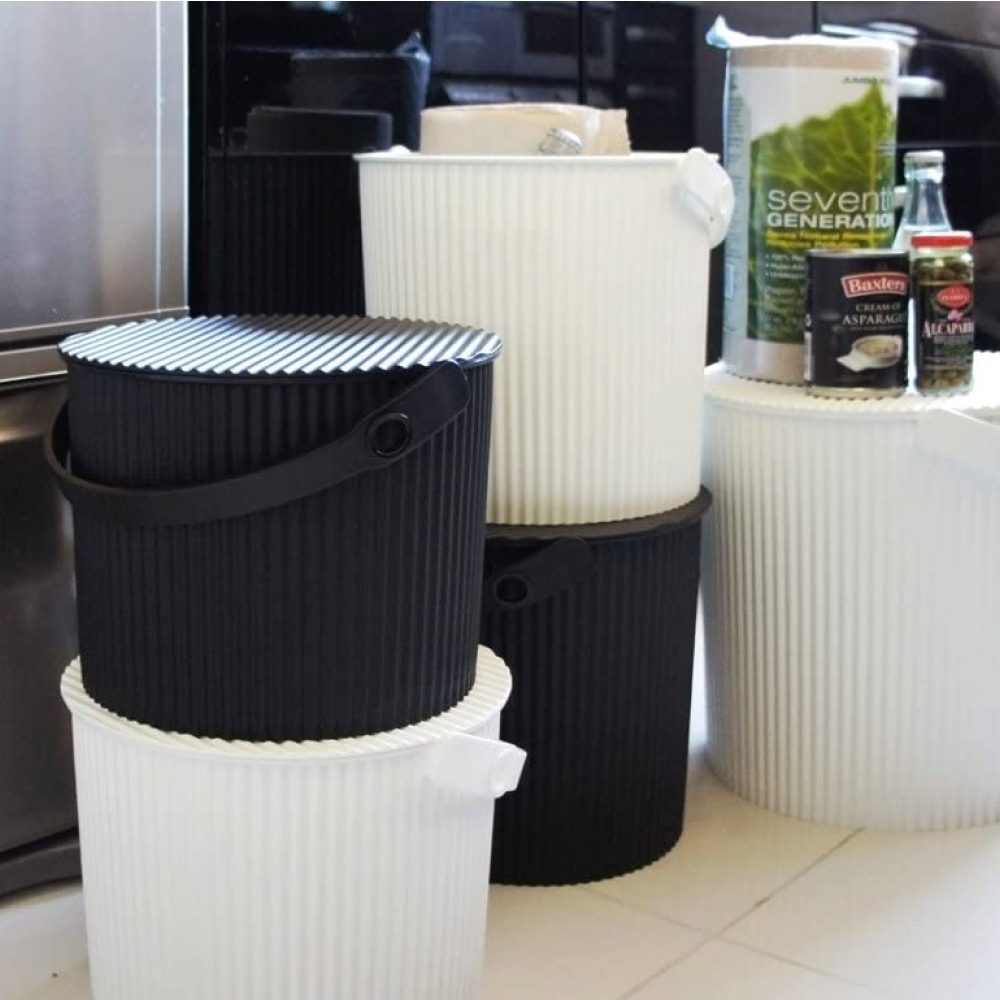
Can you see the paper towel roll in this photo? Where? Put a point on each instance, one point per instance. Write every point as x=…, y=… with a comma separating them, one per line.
x=810, y=127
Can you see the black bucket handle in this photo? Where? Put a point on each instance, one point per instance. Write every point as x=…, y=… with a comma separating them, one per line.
x=555, y=567
x=378, y=440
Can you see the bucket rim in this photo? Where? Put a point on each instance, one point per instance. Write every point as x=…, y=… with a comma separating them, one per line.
x=277, y=348
x=579, y=162
x=632, y=529
x=479, y=707
x=724, y=388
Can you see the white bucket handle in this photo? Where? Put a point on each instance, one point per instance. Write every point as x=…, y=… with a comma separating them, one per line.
x=477, y=766
x=962, y=438
x=706, y=191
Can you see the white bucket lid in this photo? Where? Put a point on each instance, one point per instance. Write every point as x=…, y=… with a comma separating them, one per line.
x=488, y=696
x=735, y=391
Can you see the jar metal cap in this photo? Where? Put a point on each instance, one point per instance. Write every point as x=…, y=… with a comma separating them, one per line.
x=924, y=157
x=959, y=238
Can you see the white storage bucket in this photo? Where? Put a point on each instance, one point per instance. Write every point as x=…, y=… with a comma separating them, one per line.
x=354, y=868
x=594, y=270
x=851, y=568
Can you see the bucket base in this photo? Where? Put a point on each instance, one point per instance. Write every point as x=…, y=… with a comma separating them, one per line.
x=851, y=566
x=593, y=867
x=597, y=624
x=352, y=869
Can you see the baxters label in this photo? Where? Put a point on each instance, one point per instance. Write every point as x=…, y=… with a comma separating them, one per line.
x=954, y=296
x=875, y=283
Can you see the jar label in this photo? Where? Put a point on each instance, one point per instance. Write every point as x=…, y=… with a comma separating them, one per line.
x=954, y=296
x=945, y=327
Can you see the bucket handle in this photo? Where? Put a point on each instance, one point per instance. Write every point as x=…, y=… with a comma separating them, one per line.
x=477, y=766
x=707, y=192
x=559, y=565
x=378, y=440
x=962, y=438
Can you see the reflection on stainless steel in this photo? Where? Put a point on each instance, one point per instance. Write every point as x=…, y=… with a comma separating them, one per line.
x=37, y=626
x=27, y=364
x=93, y=199
x=92, y=164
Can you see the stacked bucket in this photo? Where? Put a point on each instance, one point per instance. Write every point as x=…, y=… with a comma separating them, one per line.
x=283, y=212
x=852, y=565
x=594, y=269
x=285, y=731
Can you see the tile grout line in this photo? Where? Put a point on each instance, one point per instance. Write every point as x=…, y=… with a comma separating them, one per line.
x=589, y=887
x=719, y=934
x=659, y=972
x=836, y=977
x=784, y=885
x=592, y=887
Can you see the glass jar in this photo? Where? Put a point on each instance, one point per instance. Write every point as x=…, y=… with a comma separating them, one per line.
x=941, y=272
x=924, y=209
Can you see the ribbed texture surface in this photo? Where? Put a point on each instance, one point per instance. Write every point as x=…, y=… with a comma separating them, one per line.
x=247, y=346
x=284, y=234
x=753, y=395
x=601, y=701
x=596, y=278
x=351, y=611
x=489, y=692
x=221, y=877
x=850, y=596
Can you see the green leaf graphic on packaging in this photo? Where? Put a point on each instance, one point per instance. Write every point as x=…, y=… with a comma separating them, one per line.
x=827, y=182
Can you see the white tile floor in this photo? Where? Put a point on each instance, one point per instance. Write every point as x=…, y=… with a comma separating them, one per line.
x=749, y=906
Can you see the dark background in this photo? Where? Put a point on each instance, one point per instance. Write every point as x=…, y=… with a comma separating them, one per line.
x=650, y=58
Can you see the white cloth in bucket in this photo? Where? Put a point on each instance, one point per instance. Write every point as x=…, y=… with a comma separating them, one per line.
x=521, y=129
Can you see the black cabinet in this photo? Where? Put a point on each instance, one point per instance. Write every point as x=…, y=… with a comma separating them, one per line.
x=650, y=58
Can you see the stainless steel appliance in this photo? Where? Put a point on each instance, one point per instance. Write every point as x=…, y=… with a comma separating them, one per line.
x=93, y=198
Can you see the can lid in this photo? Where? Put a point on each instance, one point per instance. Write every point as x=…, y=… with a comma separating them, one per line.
x=278, y=346
x=958, y=238
x=924, y=157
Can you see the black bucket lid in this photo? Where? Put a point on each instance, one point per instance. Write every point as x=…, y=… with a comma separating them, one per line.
x=275, y=347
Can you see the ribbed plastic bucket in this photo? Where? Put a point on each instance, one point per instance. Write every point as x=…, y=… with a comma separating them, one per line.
x=284, y=235
x=236, y=871
x=597, y=624
x=283, y=213
x=279, y=521
x=851, y=573
x=594, y=270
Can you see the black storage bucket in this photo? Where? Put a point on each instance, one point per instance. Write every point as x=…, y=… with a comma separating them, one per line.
x=597, y=624
x=279, y=520
x=283, y=232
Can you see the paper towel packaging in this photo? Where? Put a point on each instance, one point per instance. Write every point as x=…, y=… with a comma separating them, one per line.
x=810, y=127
